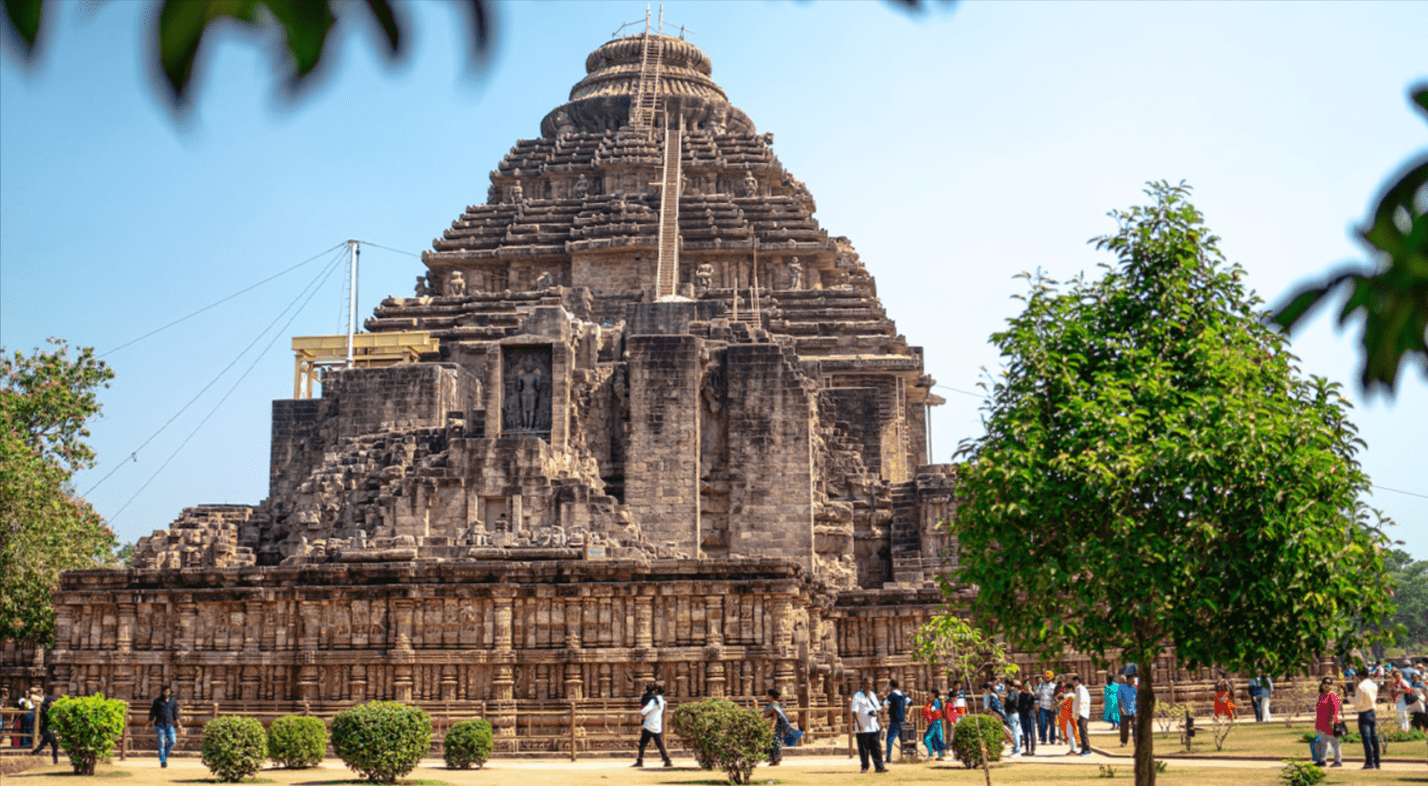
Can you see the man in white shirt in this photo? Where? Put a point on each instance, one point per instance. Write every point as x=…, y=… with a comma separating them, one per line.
x=1081, y=711
x=1365, y=697
x=865, y=722
x=652, y=708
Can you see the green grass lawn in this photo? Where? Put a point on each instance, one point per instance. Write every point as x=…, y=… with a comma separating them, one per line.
x=1272, y=740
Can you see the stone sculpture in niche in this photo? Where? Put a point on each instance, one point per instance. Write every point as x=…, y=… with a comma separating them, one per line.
x=582, y=186
x=517, y=194
x=455, y=284
x=795, y=274
x=751, y=185
x=703, y=277
x=526, y=405
x=563, y=127
x=423, y=287
x=545, y=281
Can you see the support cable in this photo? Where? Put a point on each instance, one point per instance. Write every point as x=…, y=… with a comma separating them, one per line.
x=134, y=454
x=219, y=302
x=214, y=411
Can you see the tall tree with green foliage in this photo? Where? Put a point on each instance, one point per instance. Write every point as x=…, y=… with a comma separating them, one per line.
x=1410, y=586
x=45, y=400
x=1156, y=472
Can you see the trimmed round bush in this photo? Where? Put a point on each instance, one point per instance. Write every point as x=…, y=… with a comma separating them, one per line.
x=297, y=741
x=87, y=728
x=964, y=739
x=467, y=743
x=234, y=747
x=725, y=736
x=381, y=740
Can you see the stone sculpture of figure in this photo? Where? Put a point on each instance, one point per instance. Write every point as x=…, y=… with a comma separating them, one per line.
x=455, y=284
x=718, y=123
x=684, y=183
x=582, y=186
x=703, y=277
x=423, y=287
x=795, y=274
x=545, y=281
x=517, y=194
x=528, y=388
x=563, y=126
x=751, y=184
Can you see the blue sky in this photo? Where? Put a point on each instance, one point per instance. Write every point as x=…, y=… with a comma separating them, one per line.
x=955, y=147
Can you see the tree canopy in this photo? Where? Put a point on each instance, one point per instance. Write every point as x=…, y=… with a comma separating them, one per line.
x=45, y=400
x=1156, y=472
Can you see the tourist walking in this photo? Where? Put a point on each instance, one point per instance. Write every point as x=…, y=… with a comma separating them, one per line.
x=896, y=704
x=1112, y=713
x=652, y=709
x=1046, y=708
x=164, y=717
x=865, y=723
x=932, y=718
x=1328, y=719
x=1082, y=708
x=1365, y=697
x=774, y=712
x=1066, y=716
x=1026, y=710
x=1125, y=699
x=44, y=731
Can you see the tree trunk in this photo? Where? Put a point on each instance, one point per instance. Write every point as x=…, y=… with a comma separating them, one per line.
x=1145, y=729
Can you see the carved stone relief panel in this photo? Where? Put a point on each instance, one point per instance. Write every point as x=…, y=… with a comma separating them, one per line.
x=525, y=403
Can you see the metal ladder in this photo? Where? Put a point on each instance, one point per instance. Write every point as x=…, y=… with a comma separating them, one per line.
x=667, y=276
x=646, y=101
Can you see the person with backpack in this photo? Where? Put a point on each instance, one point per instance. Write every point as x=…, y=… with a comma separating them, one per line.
x=932, y=719
x=652, y=728
x=44, y=731
x=896, y=704
x=865, y=708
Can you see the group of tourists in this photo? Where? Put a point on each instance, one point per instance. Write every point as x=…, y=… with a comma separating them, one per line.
x=1407, y=692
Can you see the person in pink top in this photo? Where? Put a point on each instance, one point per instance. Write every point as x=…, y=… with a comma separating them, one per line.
x=1327, y=713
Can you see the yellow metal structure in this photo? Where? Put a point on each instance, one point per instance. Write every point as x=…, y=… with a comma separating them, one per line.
x=317, y=354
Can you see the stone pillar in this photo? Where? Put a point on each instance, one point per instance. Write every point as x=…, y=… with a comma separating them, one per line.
x=574, y=621
x=503, y=624
x=358, y=686
x=448, y=682
x=402, y=681
x=714, y=679
x=574, y=681
x=253, y=628
x=307, y=676
x=783, y=622
x=125, y=642
x=644, y=622
x=401, y=611
x=188, y=624
x=714, y=620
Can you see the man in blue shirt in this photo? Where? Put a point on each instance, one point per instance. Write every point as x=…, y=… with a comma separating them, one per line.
x=1125, y=693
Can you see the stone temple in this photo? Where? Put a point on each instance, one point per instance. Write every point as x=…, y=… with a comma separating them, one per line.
x=657, y=425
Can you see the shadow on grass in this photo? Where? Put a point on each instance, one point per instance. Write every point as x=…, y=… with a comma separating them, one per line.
x=215, y=780
x=72, y=774
x=360, y=782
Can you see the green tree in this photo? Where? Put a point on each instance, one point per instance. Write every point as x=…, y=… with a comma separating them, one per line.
x=966, y=652
x=1392, y=290
x=45, y=400
x=304, y=25
x=1410, y=587
x=1157, y=473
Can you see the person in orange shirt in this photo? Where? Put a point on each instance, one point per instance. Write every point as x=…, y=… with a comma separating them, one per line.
x=1224, y=701
x=1065, y=720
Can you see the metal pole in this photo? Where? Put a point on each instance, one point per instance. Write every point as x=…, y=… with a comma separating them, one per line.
x=355, y=252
